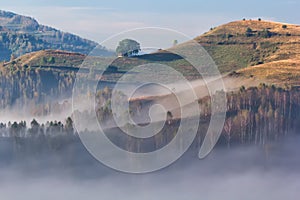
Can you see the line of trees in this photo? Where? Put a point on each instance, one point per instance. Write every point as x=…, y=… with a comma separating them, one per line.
x=24, y=86
x=261, y=114
x=35, y=129
x=257, y=115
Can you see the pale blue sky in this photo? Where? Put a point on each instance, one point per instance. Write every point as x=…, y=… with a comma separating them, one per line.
x=98, y=19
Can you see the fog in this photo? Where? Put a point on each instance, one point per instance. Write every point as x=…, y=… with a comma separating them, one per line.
x=242, y=172
x=169, y=95
x=26, y=113
x=245, y=172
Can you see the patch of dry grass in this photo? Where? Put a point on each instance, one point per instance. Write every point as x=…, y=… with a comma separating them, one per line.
x=59, y=58
x=278, y=72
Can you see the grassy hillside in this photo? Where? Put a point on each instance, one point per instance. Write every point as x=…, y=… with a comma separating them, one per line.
x=63, y=59
x=242, y=44
x=244, y=47
x=49, y=58
x=268, y=51
x=283, y=72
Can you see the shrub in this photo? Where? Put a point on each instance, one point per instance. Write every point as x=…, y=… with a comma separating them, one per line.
x=284, y=26
x=265, y=33
x=43, y=61
x=229, y=36
x=249, y=32
x=242, y=89
x=51, y=60
x=259, y=19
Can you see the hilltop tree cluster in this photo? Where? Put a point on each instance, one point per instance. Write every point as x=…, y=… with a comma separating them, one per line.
x=128, y=47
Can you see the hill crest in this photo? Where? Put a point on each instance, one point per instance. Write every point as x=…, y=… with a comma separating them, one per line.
x=256, y=25
x=58, y=58
x=256, y=48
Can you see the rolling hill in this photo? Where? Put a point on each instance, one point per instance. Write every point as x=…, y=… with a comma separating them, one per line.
x=247, y=53
x=251, y=50
x=267, y=51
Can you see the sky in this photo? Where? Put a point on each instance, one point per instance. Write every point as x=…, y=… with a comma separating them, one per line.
x=97, y=19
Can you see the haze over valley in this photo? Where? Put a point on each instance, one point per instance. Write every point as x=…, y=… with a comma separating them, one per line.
x=57, y=89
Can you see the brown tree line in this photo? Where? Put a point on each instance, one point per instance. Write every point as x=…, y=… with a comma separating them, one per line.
x=260, y=114
x=24, y=86
x=256, y=115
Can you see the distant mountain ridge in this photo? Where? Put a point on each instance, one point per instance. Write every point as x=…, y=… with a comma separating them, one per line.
x=21, y=34
x=14, y=22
